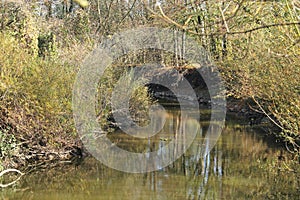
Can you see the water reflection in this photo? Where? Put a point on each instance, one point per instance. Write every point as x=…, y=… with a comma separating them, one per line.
x=181, y=131
x=240, y=166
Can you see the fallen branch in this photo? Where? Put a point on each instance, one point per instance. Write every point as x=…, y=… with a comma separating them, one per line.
x=13, y=182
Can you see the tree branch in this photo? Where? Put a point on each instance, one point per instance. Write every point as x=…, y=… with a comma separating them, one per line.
x=13, y=182
x=185, y=28
x=264, y=26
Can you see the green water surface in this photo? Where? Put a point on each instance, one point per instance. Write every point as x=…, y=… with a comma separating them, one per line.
x=242, y=165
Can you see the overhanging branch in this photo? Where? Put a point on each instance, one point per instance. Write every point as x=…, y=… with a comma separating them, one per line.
x=185, y=28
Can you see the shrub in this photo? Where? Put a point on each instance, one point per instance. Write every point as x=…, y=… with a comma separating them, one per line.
x=35, y=94
x=139, y=100
x=263, y=65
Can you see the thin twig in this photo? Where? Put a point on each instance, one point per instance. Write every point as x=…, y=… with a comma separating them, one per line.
x=224, y=19
x=128, y=12
x=265, y=113
x=265, y=26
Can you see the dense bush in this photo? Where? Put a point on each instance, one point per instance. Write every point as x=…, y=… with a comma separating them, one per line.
x=263, y=65
x=139, y=99
x=255, y=44
x=35, y=97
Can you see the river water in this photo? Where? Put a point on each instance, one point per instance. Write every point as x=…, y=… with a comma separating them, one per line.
x=243, y=164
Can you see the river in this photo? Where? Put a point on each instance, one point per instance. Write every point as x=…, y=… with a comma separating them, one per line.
x=243, y=164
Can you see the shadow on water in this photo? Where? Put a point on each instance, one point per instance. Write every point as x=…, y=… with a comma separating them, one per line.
x=240, y=166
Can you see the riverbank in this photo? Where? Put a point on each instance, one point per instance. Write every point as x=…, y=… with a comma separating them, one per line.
x=23, y=150
x=28, y=139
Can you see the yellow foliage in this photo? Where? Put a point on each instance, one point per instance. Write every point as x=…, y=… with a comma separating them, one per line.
x=35, y=93
x=82, y=3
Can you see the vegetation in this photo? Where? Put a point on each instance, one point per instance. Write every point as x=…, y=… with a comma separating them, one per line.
x=255, y=44
x=38, y=69
x=139, y=102
x=35, y=108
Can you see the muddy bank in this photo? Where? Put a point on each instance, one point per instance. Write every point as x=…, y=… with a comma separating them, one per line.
x=21, y=148
x=241, y=107
x=177, y=82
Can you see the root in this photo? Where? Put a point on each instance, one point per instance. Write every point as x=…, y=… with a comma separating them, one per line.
x=13, y=182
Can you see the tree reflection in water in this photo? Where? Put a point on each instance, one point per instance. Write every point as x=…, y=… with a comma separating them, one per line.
x=240, y=166
x=196, y=163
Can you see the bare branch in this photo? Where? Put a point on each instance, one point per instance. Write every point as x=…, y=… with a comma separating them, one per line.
x=185, y=28
x=13, y=182
x=266, y=114
x=224, y=19
x=265, y=26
